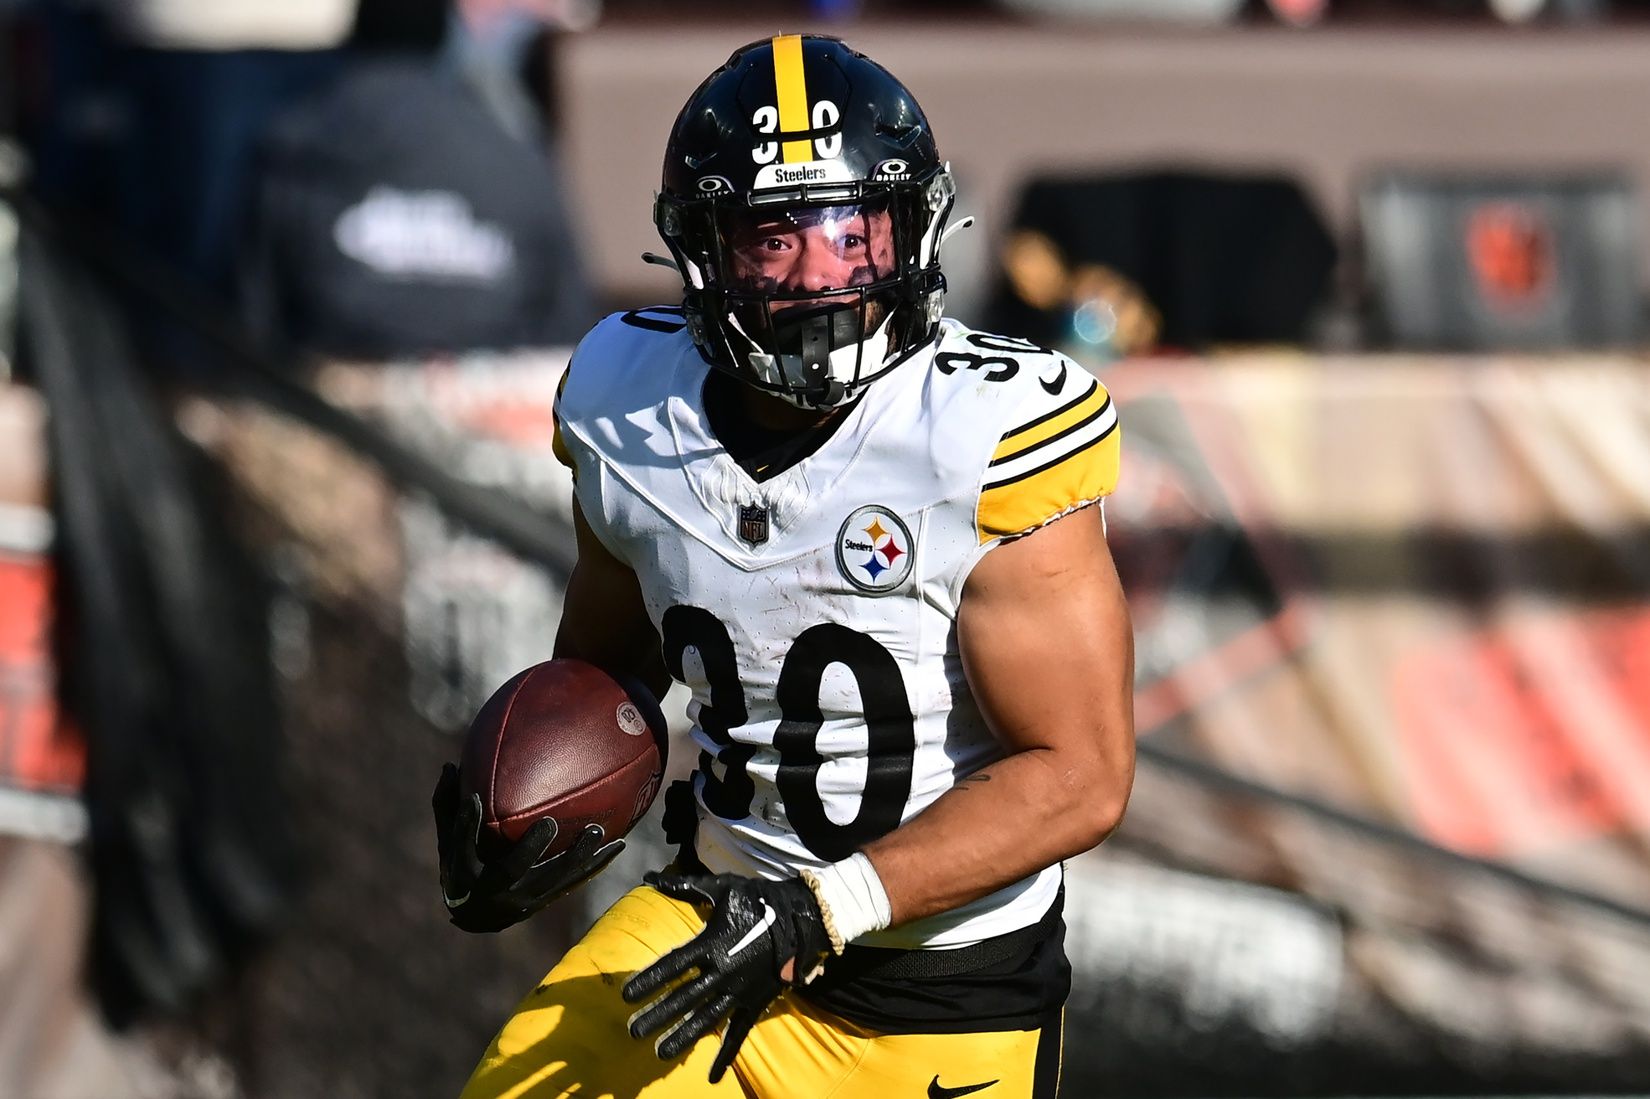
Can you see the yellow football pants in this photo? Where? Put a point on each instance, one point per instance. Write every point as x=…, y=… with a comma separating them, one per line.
x=569, y=1038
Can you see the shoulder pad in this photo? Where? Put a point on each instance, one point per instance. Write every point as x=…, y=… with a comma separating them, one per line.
x=1056, y=430
x=625, y=363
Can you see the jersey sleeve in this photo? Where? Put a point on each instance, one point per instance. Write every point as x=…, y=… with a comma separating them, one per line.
x=1060, y=453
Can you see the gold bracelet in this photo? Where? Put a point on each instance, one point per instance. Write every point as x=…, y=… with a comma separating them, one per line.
x=812, y=881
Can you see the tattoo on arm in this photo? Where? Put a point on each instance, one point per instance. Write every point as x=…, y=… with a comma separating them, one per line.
x=975, y=777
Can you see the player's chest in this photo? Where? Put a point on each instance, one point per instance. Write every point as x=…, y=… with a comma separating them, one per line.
x=869, y=571
x=851, y=605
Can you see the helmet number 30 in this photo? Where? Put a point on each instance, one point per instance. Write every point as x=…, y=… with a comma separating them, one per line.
x=825, y=116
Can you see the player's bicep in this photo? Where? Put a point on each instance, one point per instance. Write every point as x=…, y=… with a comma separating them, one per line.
x=604, y=619
x=1046, y=645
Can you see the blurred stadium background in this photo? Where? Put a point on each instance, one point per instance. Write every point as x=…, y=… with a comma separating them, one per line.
x=286, y=287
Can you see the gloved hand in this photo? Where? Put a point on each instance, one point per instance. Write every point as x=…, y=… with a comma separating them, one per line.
x=490, y=894
x=753, y=927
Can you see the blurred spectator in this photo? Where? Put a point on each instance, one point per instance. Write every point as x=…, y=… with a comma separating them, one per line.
x=492, y=44
x=400, y=26
x=1571, y=11
x=157, y=104
x=1107, y=266
x=1298, y=13
x=396, y=215
x=233, y=24
x=1181, y=11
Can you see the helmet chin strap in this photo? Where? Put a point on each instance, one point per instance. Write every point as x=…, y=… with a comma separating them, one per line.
x=832, y=355
x=821, y=355
x=810, y=333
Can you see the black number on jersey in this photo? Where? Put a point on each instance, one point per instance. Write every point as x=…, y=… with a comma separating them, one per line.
x=891, y=729
x=998, y=368
x=729, y=796
x=987, y=341
x=653, y=319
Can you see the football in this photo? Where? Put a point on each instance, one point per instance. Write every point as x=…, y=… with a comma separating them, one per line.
x=565, y=740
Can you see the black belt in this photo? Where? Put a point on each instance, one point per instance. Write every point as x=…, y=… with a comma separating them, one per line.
x=894, y=963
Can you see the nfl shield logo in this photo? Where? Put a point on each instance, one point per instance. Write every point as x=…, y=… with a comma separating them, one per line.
x=753, y=523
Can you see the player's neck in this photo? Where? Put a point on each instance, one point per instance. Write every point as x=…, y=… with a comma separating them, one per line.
x=764, y=434
x=774, y=414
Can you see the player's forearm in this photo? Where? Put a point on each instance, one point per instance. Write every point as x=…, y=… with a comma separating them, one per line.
x=999, y=825
x=1044, y=637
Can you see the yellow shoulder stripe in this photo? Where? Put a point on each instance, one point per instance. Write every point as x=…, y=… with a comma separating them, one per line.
x=1052, y=425
x=1025, y=503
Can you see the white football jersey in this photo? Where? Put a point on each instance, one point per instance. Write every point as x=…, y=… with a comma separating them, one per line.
x=813, y=614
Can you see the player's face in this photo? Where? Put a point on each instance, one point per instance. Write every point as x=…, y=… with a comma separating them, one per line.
x=826, y=248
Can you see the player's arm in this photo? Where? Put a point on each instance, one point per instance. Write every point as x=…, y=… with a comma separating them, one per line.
x=1044, y=637
x=1045, y=641
x=603, y=619
x=604, y=622
x=1046, y=644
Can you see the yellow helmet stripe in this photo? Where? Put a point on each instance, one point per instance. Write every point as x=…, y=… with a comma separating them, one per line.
x=791, y=88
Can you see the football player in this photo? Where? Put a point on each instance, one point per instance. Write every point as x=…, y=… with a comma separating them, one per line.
x=869, y=540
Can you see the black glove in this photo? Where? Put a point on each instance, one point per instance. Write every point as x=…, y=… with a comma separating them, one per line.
x=752, y=929
x=681, y=816
x=492, y=893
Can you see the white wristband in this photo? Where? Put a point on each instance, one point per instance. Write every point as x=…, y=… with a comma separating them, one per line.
x=852, y=896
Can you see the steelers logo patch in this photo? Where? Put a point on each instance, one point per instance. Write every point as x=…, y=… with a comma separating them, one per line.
x=873, y=550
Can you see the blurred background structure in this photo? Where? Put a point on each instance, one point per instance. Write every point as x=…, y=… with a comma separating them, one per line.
x=286, y=289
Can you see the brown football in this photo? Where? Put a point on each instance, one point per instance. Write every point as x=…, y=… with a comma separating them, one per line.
x=564, y=739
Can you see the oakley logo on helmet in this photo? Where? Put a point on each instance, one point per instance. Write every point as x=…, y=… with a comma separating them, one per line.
x=713, y=185
x=892, y=169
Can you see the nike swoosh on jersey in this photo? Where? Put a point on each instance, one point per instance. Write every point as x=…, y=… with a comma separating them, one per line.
x=936, y=1090
x=1054, y=387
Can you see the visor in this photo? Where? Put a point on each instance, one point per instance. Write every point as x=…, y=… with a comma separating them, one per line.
x=796, y=251
x=811, y=296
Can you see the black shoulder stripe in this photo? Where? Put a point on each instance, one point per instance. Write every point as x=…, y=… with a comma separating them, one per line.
x=1052, y=462
x=1047, y=416
x=1058, y=435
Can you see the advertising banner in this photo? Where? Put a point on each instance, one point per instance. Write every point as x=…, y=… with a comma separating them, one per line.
x=42, y=759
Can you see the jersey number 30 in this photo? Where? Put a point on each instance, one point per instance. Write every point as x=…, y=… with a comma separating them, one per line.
x=891, y=731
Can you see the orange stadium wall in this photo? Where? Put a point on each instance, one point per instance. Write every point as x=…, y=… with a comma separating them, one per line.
x=42, y=760
x=1434, y=604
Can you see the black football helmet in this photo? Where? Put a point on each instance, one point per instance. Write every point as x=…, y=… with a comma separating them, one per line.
x=804, y=201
